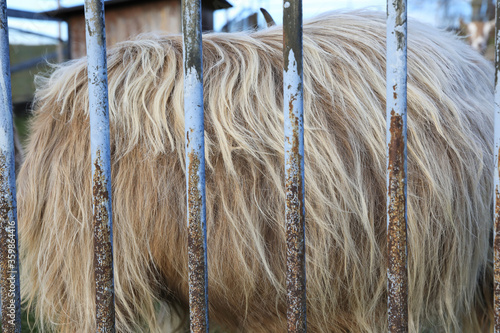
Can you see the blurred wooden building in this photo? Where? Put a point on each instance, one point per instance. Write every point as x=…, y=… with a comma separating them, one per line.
x=128, y=18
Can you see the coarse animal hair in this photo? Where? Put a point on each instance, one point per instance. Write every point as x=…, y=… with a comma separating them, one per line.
x=449, y=183
x=478, y=33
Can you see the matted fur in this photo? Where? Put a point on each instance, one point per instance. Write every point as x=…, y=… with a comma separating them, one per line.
x=450, y=174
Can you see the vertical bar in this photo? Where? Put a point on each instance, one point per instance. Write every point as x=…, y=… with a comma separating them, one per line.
x=101, y=165
x=9, y=258
x=397, y=276
x=496, y=236
x=195, y=165
x=294, y=165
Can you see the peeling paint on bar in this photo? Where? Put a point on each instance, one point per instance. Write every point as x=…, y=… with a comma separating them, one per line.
x=195, y=166
x=496, y=224
x=397, y=276
x=101, y=165
x=9, y=257
x=294, y=165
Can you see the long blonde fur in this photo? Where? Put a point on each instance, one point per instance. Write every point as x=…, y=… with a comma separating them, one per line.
x=449, y=191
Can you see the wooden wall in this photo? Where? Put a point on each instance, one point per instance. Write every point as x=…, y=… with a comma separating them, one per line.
x=128, y=21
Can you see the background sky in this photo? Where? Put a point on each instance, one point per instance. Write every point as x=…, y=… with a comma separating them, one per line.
x=423, y=10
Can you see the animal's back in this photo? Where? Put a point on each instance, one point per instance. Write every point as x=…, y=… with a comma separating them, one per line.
x=449, y=186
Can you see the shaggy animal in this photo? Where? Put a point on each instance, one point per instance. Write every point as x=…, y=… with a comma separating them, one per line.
x=478, y=33
x=449, y=189
x=269, y=19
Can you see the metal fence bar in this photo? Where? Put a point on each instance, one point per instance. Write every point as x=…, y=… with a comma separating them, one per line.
x=195, y=165
x=9, y=258
x=294, y=165
x=25, y=14
x=38, y=34
x=101, y=165
x=397, y=276
x=496, y=225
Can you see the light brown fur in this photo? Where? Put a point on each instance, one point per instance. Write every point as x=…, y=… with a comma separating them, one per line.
x=478, y=34
x=449, y=190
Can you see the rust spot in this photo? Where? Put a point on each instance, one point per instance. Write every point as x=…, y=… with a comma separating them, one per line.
x=9, y=284
x=295, y=222
x=396, y=234
x=196, y=250
x=103, y=252
x=294, y=183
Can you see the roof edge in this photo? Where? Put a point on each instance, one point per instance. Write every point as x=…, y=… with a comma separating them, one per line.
x=66, y=12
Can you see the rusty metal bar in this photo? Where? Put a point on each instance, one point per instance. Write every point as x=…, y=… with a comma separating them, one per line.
x=195, y=165
x=496, y=224
x=397, y=275
x=9, y=258
x=294, y=165
x=101, y=165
